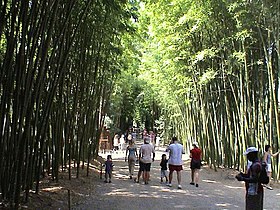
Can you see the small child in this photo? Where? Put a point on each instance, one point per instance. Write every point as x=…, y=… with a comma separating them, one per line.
x=163, y=171
x=108, y=169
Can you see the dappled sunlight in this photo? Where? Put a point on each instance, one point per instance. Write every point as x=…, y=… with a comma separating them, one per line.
x=226, y=205
x=215, y=191
x=231, y=187
x=203, y=195
x=209, y=181
x=83, y=195
x=120, y=176
x=180, y=206
x=219, y=192
x=122, y=193
x=52, y=189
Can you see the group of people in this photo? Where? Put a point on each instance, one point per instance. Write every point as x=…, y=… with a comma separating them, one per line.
x=174, y=163
x=120, y=141
x=254, y=188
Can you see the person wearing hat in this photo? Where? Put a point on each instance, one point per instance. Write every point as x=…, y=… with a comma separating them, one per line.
x=254, y=189
x=195, y=155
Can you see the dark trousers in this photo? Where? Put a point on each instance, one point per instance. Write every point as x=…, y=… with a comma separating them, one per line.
x=254, y=202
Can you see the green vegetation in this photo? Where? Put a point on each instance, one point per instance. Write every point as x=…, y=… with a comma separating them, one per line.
x=204, y=70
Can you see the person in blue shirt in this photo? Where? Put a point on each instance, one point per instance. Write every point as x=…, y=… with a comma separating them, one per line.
x=131, y=151
x=108, y=169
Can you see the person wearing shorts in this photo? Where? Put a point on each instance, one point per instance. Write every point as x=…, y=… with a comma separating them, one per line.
x=195, y=155
x=175, y=161
x=268, y=155
x=146, y=159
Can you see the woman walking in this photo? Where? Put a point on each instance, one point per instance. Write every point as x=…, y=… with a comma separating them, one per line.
x=267, y=159
x=131, y=150
x=195, y=155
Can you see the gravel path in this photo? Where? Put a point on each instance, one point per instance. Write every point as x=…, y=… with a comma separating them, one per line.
x=217, y=190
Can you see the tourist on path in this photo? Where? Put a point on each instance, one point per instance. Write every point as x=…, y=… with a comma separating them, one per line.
x=195, y=155
x=116, y=142
x=267, y=159
x=254, y=189
x=175, y=161
x=122, y=143
x=108, y=169
x=131, y=150
x=163, y=170
x=146, y=159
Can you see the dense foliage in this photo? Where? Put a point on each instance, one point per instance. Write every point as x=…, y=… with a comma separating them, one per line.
x=58, y=64
x=204, y=70
x=214, y=70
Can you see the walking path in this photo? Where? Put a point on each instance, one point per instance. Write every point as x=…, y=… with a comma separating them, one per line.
x=217, y=190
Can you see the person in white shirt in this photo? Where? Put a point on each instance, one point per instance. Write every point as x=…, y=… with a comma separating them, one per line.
x=146, y=159
x=175, y=162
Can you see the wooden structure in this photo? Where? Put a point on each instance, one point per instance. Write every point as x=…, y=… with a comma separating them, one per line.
x=105, y=141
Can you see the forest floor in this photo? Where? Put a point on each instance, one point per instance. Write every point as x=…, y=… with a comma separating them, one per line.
x=217, y=190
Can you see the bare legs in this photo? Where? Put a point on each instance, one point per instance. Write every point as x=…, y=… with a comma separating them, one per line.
x=131, y=164
x=170, y=176
x=138, y=176
x=146, y=176
x=195, y=177
x=179, y=177
x=268, y=185
x=192, y=176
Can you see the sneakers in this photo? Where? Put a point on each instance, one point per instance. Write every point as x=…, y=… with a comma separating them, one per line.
x=179, y=187
x=268, y=187
x=169, y=185
x=192, y=183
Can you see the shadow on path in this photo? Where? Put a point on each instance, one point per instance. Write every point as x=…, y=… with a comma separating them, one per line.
x=214, y=191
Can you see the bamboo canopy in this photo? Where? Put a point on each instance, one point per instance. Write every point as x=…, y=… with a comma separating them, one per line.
x=205, y=71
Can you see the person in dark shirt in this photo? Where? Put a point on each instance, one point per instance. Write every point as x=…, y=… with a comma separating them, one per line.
x=108, y=169
x=254, y=189
x=163, y=171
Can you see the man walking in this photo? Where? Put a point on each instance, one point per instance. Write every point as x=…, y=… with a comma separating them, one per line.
x=145, y=161
x=175, y=160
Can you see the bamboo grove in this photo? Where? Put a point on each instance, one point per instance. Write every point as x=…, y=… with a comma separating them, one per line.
x=214, y=69
x=58, y=63
x=204, y=70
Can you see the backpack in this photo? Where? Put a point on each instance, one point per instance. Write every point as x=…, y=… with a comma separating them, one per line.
x=263, y=178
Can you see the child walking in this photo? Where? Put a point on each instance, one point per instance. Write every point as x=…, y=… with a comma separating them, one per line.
x=108, y=169
x=163, y=171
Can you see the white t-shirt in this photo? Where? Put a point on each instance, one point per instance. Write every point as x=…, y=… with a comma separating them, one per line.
x=175, y=154
x=146, y=151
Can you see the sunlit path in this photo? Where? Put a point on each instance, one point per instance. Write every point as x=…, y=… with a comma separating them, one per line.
x=214, y=191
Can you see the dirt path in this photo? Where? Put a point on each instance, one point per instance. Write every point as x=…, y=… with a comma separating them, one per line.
x=217, y=190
